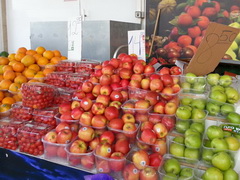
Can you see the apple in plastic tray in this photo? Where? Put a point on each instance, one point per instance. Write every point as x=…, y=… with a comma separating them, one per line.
x=21, y=113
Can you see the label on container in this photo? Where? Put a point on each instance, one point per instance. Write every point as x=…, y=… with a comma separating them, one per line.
x=231, y=128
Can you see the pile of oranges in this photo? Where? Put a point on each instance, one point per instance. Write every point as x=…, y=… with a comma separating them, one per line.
x=26, y=65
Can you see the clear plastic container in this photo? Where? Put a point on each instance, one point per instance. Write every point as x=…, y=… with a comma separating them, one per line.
x=56, y=78
x=75, y=80
x=74, y=124
x=86, y=66
x=132, y=109
x=21, y=113
x=156, y=118
x=63, y=95
x=66, y=66
x=45, y=116
x=195, y=85
x=137, y=93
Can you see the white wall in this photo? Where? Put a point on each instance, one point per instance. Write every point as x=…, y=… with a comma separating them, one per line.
x=21, y=12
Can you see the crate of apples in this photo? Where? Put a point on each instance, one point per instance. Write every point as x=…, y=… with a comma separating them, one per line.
x=21, y=113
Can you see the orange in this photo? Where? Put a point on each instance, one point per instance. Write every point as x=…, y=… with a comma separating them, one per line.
x=20, y=79
x=14, y=87
x=30, y=73
x=40, y=50
x=1, y=95
x=34, y=67
x=37, y=56
x=12, y=62
x=55, y=60
x=18, y=74
x=11, y=56
x=10, y=75
x=4, y=61
x=5, y=107
x=8, y=100
x=19, y=56
x=57, y=53
x=22, y=50
x=48, y=54
x=1, y=77
x=28, y=60
x=39, y=77
x=31, y=52
x=17, y=98
x=50, y=66
x=33, y=80
x=1, y=69
x=4, y=84
x=6, y=68
x=42, y=61
x=46, y=71
x=18, y=67
x=63, y=57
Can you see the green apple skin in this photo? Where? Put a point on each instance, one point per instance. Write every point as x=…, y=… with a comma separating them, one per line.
x=232, y=95
x=207, y=155
x=170, y=176
x=233, y=143
x=198, y=114
x=198, y=103
x=226, y=109
x=225, y=80
x=186, y=87
x=182, y=126
x=191, y=131
x=217, y=87
x=190, y=78
x=198, y=88
x=227, y=133
x=222, y=161
x=214, y=132
x=219, y=144
x=193, y=141
x=213, y=109
x=201, y=80
x=183, y=177
x=179, y=139
x=187, y=172
x=186, y=101
x=233, y=117
x=213, y=78
x=172, y=166
x=183, y=113
x=218, y=96
x=200, y=127
x=192, y=153
x=230, y=174
x=207, y=143
x=212, y=173
x=177, y=149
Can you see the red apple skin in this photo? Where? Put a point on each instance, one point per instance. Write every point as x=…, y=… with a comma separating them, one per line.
x=164, y=70
x=125, y=73
x=140, y=117
x=159, y=107
x=130, y=129
x=130, y=172
x=102, y=166
x=160, y=130
x=167, y=80
x=105, y=79
x=175, y=70
x=74, y=135
x=108, y=69
x=149, y=69
x=51, y=137
x=117, y=161
x=140, y=159
x=86, y=118
x=78, y=146
x=176, y=88
x=107, y=137
x=154, y=118
x=93, y=79
x=169, y=122
x=116, y=104
x=94, y=143
x=137, y=77
x=88, y=161
x=50, y=151
x=115, y=78
x=148, y=136
x=86, y=134
x=156, y=85
x=86, y=104
x=105, y=63
x=128, y=107
x=104, y=150
x=90, y=96
x=64, y=136
x=66, y=116
x=170, y=108
x=74, y=104
x=99, y=121
x=127, y=117
x=61, y=152
x=87, y=87
x=147, y=125
x=152, y=97
x=103, y=99
x=125, y=95
x=138, y=68
x=167, y=93
x=145, y=83
x=155, y=159
x=114, y=62
x=148, y=173
x=76, y=113
x=116, y=124
x=111, y=112
x=160, y=147
x=105, y=90
x=127, y=58
x=123, y=146
x=142, y=106
x=154, y=76
x=97, y=73
x=79, y=94
x=64, y=107
x=115, y=86
x=116, y=96
x=135, y=83
x=127, y=65
x=62, y=125
x=98, y=108
x=124, y=83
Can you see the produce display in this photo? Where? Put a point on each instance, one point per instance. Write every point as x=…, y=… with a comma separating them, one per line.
x=125, y=119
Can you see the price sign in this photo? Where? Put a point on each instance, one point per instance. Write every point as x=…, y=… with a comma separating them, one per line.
x=231, y=128
x=215, y=43
x=136, y=43
x=75, y=38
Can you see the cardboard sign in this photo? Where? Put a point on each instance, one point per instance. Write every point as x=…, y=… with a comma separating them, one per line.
x=215, y=43
x=136, y=43
x=75, y=38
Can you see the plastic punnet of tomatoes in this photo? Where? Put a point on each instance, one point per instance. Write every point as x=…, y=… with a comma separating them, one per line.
x=45, y=116
x=21, y=113
x=66, y=66
x=63, y=95
x=37, y=95
x=57, y=79
x=29, y=137
x=75, y=80
x=8, y=133
x=86, y=66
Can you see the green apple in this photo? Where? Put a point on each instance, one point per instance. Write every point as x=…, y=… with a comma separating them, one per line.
x=179, y=139
x=186, y=101
x=214, y=131
x=190, y=78
x=213, y=108
x=183, y=113
x=191, y=131
x=172, y=166
x=233, y=117
x=233, y=143
x=198, y=88
x=212, y=173
x=218, y=96
x=186, y=87
x=192, y=153
x=232, y=95
x=182, y=125
x=225, y=80
x=230, y=174
x=219, y=144
x=227, y=133
x=187, y=172
x=213, y=78
x=207, y=143
x=217, y=87
x=193, y=141
x=177, y=149
x=170, y=176
x=198, y=103
x=207, y=154
x=198, y=127
x=198, y=114
x=222, y=161
x=201, y=80
x=226, y=109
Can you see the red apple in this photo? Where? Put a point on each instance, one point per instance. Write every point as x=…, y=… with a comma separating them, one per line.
x=108, y=69
x=115, y=78
x=61, y=152
x=66, y=116
x=122, y=145
x=111, y=112
x=176, y=88
x=104, y=99
x=160, y=147
x=105, y=90
x=90, y=96
x=170, y=108
x=50, y=151
x=125, y=95
x=51, y=136
x=117, y=161
x=135, y=84
x=86, y=134
x=115, y=86
x=127, y=65
x=128, y=107
x=137, y=77
x=114, y=62
x=152, y=97
x=87, y=87
x=79, y=94
x=175, y=70
x=127, y=117
x=145, y=83
x=169, y=122
x=125, y=73
x=116, y=96
x=99, y=121
x=149, y=69
x=93, y=79
x=76, y=113
x=64, y=107
x=78, y=146
x=88, y=161
x=159, y=107
x=127, y=58
x=164, y=70
x=148, y=136
x=116, y=104
x=107, y=137
x=156, y=85
x=130, y=172
x=167, y=80
x=155, y=118
x=143, y=105
x=102, y=166
x=94, y=143
x=141, y=117
x=148, y=173
x=104, y=63
x=97, y=73
x=105, y=79
x=86, y=104
x=154, y=76
x=116, y=124
x=96, y=90
x=130, y=129
x=61, y=126
x=86, y=118
x=64, y=136
x=147, y=125
x=138, y=68
x=98, y=108
x=140, y=159
x=104, y=150
x=124, y=83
